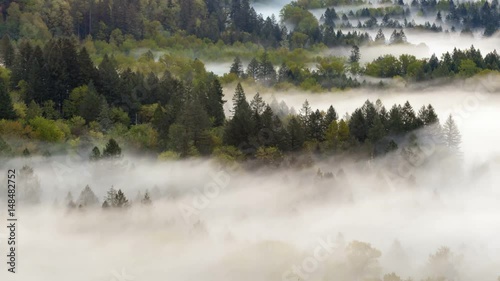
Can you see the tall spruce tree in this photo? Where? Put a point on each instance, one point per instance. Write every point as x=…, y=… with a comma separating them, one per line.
x=6, y=107
x=87, y=198
x=7, y=51
x=296, y=135
x=215, y=103
x=237, y=67
x=239, y=129
x=451, y=134
x=112, y=149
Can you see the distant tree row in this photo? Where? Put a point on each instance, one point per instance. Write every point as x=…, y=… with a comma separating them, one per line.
x=115, y=199
x=459, y=63
x=254, y=128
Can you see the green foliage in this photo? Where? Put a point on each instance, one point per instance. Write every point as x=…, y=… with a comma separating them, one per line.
x=169, y=156
x=143, y=136
x=46, y=130
x=112, y=150
x=6, y=106
x=95, y=154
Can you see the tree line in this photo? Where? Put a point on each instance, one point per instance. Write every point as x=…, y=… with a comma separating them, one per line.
x=461, y=63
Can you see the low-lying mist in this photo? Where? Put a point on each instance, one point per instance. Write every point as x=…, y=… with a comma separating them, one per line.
x=210, y=221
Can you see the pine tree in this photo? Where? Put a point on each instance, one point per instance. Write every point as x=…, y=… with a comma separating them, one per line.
x=296, y=135
x=215, y=103
x=452, y=137
x=112, y=150
x=380, y=37
x=146, y=200
x=5, y=149
x=358, y=126
x=305, y=114
x=237, y=67
x=377, y=131
x=439, y=18
x=253, y=69
x=21, y=65
x=110, y=199
x=355, y=55
x=88, y=71
x=266, y=73
x=315, y=129
x=330, y=16
x=283, y=73
x=109, y=81
x=395, y=122
x=87, y=198
x=344, y=134
x=104, y=117
x=408, y=118
x=257, y=104
x=6, y=107
x=105, y=205
x=331, y=115
x=427, y=115
x=332, y=133
x=121, y=200
x=68, y=201
x=95, y=154
x=240, y=128
x=7, y=52
x=193, y=124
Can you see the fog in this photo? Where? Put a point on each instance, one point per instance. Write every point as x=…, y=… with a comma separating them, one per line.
x=269, y=8
x=215, y=222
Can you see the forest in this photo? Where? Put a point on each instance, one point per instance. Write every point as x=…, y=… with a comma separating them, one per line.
x=311, y=140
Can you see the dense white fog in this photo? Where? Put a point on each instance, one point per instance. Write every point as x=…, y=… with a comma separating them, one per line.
x=213, y=222
x=269, y=8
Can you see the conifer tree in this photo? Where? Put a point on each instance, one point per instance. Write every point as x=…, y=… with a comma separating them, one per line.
x=147, y=199
x=451, y=134
x=7, y=52
x=253, y=69
x=88, y=71
x=6, y=107
x=215, y=103
x=296, y=135
x=355, y=55
x=112, y=149
x=121, y=200
x=5, y=149
x=380, y=37
x=237, y=67
x=239, y=129
x=87, y=198
x=95, y=154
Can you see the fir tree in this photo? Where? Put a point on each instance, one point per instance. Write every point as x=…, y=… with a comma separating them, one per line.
x=6, y=107
x=355, y=56
x=5, y=149
x=452, y=137
x=147, y=199
x=380, y=37
x=87, y=198
x=253, y=69
x=237, y=67
x=296, y=135
x=112, y=149
x=95, y=154
x=240, y=128
x=121, y=200
x=7, y=52
x=215, y=103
